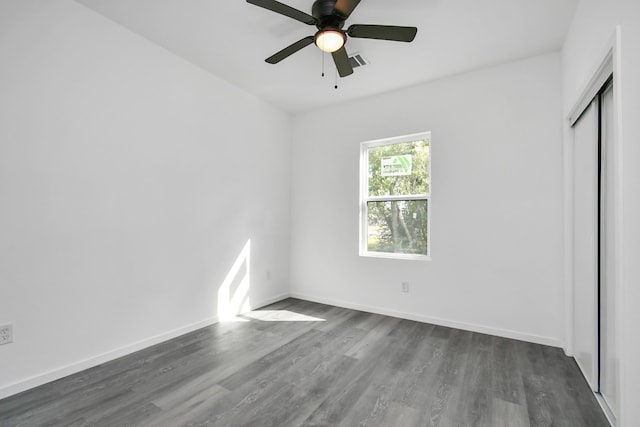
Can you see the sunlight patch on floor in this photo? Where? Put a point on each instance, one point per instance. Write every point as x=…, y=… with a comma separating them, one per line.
x=281, y=316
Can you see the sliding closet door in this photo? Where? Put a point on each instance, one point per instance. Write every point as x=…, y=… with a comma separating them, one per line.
x=608, y=343
x=585, y=241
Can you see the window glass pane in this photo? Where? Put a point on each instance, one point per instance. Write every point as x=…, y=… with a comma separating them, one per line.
x=398, y=227
x=399, y=169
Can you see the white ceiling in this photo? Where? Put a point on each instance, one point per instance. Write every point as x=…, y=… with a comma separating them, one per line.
x=231, y=39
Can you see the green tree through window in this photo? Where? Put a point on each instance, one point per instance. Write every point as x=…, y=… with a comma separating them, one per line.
x=395, y=202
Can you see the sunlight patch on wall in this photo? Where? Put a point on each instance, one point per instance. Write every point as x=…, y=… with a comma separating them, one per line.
x=233, y=294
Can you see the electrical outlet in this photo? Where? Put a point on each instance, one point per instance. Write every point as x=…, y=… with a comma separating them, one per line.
x=268, y=275
x=404, y=287
x=6, y=334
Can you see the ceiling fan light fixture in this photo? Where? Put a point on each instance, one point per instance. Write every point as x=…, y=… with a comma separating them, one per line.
x=330, y=40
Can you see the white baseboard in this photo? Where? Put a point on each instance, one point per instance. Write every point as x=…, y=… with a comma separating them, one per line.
x=505, y=333
x=269, y=301
x=108, y=356
x=81, y=365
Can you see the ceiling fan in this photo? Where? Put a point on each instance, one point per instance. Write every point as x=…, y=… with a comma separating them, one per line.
x=329, y=17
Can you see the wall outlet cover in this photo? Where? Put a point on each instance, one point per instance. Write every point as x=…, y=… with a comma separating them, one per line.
x=6, y=334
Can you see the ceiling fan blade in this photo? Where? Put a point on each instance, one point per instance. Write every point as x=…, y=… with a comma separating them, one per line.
x=383, y=32
x=343, y=64
x=290, y=50
x=285, y=10
x=345, y=7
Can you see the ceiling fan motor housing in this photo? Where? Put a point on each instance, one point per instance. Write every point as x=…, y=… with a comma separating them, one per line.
x=323, y=11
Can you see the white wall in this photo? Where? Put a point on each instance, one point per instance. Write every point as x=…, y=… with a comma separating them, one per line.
x=592, y=28
x=497, y=236
x=129, y=184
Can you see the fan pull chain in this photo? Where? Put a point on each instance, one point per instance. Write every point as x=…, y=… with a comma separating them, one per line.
x=322, y=63
x=336, y=86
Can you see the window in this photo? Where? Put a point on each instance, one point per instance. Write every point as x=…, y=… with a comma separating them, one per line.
x=395, y=189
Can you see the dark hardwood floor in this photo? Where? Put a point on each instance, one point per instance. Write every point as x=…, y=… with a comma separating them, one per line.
x=283, y=366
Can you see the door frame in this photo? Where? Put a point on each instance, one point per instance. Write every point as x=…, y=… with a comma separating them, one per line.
x=609, y=65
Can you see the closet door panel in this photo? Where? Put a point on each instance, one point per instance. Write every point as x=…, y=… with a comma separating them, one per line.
x=609, y=360
x=585, y=268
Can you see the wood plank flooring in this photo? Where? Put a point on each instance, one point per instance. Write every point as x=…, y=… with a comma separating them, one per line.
x=329, y=367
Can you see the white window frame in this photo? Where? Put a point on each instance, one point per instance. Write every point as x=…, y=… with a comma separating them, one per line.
x=365, y=198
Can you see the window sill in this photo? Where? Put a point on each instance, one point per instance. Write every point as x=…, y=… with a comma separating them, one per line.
x=388, y=255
